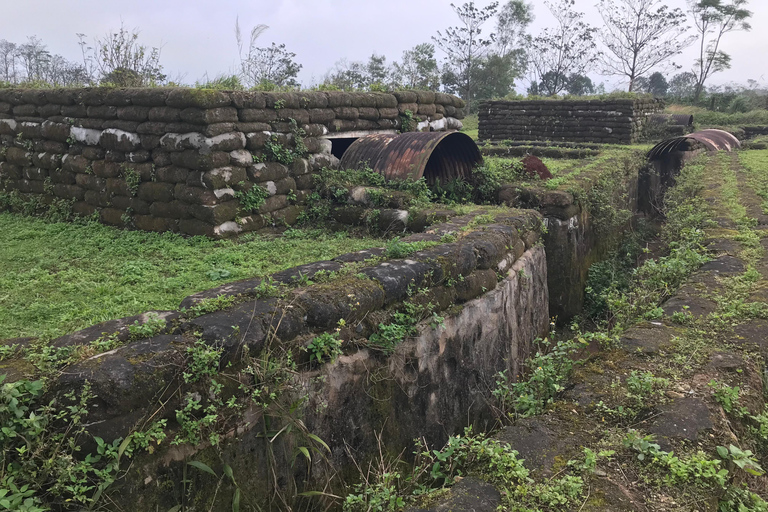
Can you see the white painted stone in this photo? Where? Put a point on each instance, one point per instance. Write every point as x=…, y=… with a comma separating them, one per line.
x=121, y=135
x=241, y=157
x=439, y=125
x=326, y=146
x=9, y=123
x=227, y=228
x=224, y=193
x=85, y=136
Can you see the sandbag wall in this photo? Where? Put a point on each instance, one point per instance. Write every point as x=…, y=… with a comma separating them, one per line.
x=177, y=159
x=603, y=121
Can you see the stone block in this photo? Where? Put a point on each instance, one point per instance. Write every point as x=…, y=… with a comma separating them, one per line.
x=196, y=227
x=250, y=115
x=339, y=99
x=119, y=140
x=199, y=98
x=152, y=128
x=133, y=113
x=156, y=224
x=224, y=177
x=156, y=191
x=68, y=191
x=272, y=203
x=267, y=171
x=172, y=174
x=192, y=159
x=171, y=210
x=124, y=202
x=209, y=116
x=118, y=187
x=102, y=112
x=104, y=169
x=215, y=214
x=49, y=110
x=18, y=156
x=62, y=176
x=47, y=160
x=75, y=163
x=197, y=195
x=55, y=131
x=110, y=216
x=243, y=99
x=149, y=96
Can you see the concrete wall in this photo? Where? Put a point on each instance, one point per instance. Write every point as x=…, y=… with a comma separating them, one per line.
x=490, y=286
x=605, y=121
x=172, y=159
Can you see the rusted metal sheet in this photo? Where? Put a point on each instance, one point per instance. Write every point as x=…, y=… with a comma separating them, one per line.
x=436, y=156
x=672, y=119
x=712, y=140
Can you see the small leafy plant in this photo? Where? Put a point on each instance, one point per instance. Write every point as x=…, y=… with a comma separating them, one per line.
x=253, y=198
x=326, y=346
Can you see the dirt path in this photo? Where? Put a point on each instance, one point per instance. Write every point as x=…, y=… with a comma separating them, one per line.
x=691, y=379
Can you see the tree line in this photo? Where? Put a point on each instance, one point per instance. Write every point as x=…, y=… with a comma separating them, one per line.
x=482, y=56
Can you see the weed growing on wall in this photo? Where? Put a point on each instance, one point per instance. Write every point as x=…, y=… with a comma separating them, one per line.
x=546, y=373
x=132, y=179
x=407, y=122
x=275, y=151
x=43, y=463
x=326, y=346
x=251, y=199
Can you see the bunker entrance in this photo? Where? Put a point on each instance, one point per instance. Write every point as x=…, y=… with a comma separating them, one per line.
x=438, y=157
x=340, y=146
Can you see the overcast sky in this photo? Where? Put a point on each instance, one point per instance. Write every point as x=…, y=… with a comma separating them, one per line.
x=197, y=36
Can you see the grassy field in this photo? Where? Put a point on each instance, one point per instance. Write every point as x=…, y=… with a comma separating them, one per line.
x=470, y=125
x=703, y=118
x=60, y=277
x=564, y=170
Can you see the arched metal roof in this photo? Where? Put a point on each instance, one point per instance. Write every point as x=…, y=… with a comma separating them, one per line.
x=713, y=140
x=437, y=156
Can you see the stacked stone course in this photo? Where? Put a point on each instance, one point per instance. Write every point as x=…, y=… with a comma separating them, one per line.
x=174, y=159
x=603, y=121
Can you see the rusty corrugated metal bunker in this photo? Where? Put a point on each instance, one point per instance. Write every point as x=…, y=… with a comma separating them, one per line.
x=436, y=156
x=666, y=159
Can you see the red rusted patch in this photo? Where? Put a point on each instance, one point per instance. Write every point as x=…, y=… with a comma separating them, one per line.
x=533, y=166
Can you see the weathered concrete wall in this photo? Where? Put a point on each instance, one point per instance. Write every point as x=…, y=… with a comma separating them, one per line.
x=165, y=159
x=606, y=121
x=489, y=285
x=581, y=228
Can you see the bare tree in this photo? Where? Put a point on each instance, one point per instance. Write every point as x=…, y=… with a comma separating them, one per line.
x=8, y=60
x=640, y=35
x=34, y=57
x=514, y=18
x=714, y=19
x=464, y=45
x=558, y=52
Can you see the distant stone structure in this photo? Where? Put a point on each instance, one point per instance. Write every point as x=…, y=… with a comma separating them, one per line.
x=606, y=121
x=179, y=159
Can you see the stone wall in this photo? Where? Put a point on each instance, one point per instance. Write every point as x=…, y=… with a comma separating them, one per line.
x=173, y=159
x=582, y=228
x=604, y=121
x=489, y=285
